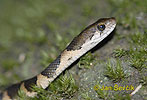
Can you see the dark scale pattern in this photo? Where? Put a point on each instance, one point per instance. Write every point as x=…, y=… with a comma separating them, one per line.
x=13, y=90
x=50, y=70
x=28, y=83
x=74, y=45
x=78, y=41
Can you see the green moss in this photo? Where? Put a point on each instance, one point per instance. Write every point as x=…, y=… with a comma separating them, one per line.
x=37, y=36
x=115, y=72
x=63, y=87
x=22, y=95
x=101, y=93
x=86, y=61
x=138, y=51
x=120, y=52
x=9, y=64
x=85, y=96
x=138, y=59
x=105, y=94
x=4, y=80
x=121, y=97
x=143, y=80
x=139, y=39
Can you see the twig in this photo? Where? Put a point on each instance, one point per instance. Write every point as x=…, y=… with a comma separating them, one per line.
x=136, y=90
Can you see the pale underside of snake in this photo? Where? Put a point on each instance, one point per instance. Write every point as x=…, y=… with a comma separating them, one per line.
x=86, y=40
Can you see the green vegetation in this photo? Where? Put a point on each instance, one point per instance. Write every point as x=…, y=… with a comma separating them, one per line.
x=85, y=96
x=121, y=97
x=120, y=52
x=86, y=61
x=9, y=64
x=101, y=94
x=143, y=80
x=105, y=94
x=115, y=72
x=63, y=88
x=138, y=52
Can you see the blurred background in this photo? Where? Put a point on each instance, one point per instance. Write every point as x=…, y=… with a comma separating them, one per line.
x=34, y=32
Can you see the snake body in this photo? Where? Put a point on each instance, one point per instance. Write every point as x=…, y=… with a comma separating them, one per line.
x=81, y=44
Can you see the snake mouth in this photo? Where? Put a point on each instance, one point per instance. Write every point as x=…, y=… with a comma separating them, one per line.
x=111, y=24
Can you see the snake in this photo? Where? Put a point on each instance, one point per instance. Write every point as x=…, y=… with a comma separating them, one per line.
x=81, y=44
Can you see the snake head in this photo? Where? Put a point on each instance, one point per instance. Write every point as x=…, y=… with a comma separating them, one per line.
x=96, y=32
x=105, y=25
x=93, y=34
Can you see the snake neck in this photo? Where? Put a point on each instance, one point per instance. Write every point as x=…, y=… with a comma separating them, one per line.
x=64, y=60
x=72, y=52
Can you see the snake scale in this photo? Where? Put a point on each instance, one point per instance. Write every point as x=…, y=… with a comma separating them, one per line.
x=86, y=40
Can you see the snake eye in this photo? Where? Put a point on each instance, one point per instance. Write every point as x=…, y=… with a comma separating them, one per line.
x=101, y=27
